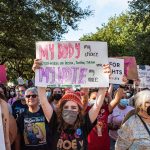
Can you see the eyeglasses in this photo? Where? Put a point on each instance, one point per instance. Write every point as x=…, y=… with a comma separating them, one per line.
x=33, y=96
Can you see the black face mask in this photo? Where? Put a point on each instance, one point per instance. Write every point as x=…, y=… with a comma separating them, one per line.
x=148, y=110
x=57, y=97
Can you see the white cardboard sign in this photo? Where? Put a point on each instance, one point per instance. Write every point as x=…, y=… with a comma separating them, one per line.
x=67, y=64
x=117, y=67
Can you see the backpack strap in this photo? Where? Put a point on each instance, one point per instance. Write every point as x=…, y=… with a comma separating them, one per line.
x=144, y=125
x=128, y=115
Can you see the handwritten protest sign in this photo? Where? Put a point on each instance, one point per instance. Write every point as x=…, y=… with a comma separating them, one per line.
x=3, y=78
x=72, y=64
x=144, y=76
x=130, y=67
x=117, y=67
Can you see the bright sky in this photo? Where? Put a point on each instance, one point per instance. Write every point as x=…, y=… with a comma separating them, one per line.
x=103, y=9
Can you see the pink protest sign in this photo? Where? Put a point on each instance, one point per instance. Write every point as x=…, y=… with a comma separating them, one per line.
x=3, y=78
x=130, y=67
x=71, y=64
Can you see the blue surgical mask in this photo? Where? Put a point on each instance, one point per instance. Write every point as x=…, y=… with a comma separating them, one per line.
x=48, y=94
x=123, y=102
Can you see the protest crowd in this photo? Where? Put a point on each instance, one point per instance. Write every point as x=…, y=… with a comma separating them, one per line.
x=86, y=118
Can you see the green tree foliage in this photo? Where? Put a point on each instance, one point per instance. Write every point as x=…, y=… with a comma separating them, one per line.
x=118, y=33
x=23, y=22
x=140, y=13
x=128, y=34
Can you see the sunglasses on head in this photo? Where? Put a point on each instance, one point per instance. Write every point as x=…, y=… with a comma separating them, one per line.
x=33, y=96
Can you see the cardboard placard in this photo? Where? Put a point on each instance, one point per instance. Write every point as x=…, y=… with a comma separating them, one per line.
x=3, y=78
x=72, y=64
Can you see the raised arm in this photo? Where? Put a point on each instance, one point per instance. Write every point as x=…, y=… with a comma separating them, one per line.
x=47, y=108
x=110, y=90
x=116, y=100
x=118, y=95
x=93, y=113
x=85, y=97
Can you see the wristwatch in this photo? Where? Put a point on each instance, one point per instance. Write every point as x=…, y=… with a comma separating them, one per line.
x=122, y=86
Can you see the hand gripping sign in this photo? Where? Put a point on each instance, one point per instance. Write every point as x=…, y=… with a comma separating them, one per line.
x=68, y=64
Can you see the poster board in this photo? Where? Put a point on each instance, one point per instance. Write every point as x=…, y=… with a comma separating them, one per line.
x=117, y=68
x=71, y=64
x=3, y=78
x=130, y=67
x=144, y=76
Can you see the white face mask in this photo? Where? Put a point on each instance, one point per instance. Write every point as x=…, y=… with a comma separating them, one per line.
x=12, y=93
x=128, y=94
x=91, y=102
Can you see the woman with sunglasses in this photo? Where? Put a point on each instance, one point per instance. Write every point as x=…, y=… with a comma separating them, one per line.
x=33, y=127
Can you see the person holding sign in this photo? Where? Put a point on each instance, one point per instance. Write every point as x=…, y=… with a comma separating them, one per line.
x=99, y=137
x=70, y=127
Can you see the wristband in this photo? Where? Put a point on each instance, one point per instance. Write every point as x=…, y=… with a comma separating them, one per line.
x=122, y=86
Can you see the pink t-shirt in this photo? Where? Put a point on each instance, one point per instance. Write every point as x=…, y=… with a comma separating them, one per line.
x=116, y=118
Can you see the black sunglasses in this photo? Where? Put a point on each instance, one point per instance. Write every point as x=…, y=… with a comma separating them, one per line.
x=33, y=96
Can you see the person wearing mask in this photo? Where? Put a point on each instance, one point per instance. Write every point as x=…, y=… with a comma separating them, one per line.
x=33, y=128
x=71, y=126
x=98, y=138
x=115, y=119
x=30, y=83
x=19, y=105
x=49, y=93
x=12, y=96
x=134, y=134
x=92, y=96
x=57, y=95
x=130, y=97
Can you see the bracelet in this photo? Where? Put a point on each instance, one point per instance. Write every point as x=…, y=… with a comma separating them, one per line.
x=122, y=86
